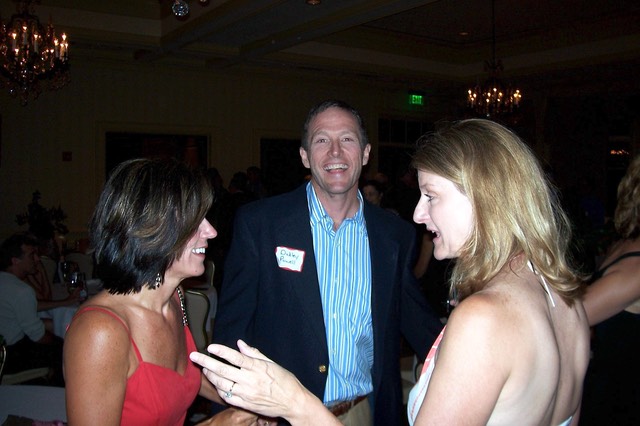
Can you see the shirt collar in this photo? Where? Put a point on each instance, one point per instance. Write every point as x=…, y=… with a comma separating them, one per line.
x=319, y=215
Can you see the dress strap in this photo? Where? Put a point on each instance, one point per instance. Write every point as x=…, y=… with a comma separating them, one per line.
x=113, y=315
x=417, y=394
x=619, y=258
x=185, y=321
x=544, y=283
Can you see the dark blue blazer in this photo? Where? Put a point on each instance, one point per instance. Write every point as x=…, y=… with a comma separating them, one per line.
x=280, y=311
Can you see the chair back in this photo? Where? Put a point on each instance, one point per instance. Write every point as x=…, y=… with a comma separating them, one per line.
x=197, y=306
x=20, y=376
x=209, y=270
x=84, y=261
x=3, y=356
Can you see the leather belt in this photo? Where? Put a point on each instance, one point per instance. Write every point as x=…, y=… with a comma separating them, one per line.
x=344, y=407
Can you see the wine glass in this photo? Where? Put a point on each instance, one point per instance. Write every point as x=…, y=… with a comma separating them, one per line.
x=67, y=269
x=78, y=280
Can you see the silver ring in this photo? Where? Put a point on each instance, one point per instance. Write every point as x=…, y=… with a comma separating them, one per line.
x=229, y=393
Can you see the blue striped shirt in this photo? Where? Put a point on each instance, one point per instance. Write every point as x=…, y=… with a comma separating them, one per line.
x=344, y=273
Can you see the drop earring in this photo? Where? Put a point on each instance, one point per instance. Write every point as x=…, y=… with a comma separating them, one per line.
x=157, y=282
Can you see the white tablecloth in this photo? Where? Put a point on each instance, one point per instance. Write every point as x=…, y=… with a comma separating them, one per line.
x=44, y=403
x=60, y=316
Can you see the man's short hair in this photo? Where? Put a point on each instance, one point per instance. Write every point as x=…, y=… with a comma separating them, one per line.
x=12, y=247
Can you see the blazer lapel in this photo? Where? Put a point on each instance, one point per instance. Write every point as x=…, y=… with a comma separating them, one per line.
x=295, y=233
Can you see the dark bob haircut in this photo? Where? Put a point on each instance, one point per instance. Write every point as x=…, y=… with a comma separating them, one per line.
x=146, y=214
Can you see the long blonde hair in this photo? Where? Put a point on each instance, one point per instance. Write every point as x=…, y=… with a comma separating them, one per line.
x=515, y=207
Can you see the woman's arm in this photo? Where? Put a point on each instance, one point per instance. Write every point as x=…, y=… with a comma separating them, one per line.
x=261, y=386
x=96, y=366
x=40, y=283
x=614, y=292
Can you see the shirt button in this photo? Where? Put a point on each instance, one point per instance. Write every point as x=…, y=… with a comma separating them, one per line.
x=322, y=368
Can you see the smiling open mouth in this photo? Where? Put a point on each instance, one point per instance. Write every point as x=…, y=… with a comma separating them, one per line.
x=335, y=167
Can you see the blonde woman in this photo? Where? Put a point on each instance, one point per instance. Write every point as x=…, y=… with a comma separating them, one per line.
x=516, y=348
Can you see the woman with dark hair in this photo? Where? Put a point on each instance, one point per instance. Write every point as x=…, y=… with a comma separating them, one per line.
x=126, y=351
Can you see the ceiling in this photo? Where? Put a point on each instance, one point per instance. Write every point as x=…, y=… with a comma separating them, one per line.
x=409, y=41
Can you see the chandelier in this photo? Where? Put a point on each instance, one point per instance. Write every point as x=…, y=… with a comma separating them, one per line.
x=31, y=55
x=493, y=98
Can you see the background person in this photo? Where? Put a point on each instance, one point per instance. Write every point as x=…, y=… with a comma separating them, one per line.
x=372, y=192
x=30, y=340
x=612, y=303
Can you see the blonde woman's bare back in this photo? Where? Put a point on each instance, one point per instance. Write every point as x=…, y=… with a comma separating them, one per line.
x=511, y=354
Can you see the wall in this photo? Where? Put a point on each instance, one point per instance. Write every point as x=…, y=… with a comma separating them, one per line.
x=237, y=108
x=234, y=109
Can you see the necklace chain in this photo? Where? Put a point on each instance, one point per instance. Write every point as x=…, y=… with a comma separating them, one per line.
x=185, y=322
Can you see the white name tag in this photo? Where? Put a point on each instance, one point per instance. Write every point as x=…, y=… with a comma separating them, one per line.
x=290, y=259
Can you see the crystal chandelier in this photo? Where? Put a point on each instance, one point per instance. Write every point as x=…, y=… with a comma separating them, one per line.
x=493, y=98
x=31, y=55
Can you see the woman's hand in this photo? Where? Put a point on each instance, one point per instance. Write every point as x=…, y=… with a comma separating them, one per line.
x=257, y=384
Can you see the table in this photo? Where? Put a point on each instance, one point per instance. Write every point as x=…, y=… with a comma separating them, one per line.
x=60, y=316
x=44, y=403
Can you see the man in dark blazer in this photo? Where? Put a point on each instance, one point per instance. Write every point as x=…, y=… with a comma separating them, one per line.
x=271, y=296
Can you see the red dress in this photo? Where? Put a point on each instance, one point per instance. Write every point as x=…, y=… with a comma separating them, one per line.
x=156, y=395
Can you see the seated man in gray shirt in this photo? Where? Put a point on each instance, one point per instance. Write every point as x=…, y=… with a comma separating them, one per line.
x=29, y=343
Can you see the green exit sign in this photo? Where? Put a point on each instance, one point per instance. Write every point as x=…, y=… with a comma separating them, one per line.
x=416, y=99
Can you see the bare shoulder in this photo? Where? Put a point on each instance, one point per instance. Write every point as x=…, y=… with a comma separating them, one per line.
x=627, y=269
x=98, y=334
x=481, y=310
x=477, y=321
x=498, y=317
x=628, y=264
x=98, y=359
